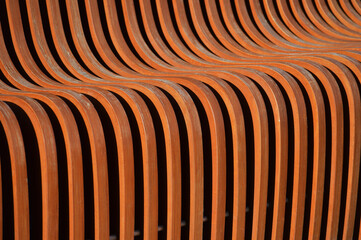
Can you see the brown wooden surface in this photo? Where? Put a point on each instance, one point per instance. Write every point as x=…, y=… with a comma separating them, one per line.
x=178, y=120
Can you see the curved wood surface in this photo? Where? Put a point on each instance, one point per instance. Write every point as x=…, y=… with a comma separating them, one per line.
x=181, y=119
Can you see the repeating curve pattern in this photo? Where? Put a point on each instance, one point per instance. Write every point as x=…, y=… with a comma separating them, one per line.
x=171, y=119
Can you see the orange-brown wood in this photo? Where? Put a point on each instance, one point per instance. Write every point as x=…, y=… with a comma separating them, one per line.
x=245, y=115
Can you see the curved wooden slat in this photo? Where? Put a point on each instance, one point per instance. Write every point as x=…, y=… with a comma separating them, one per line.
x=19, y=175
x=284, y=75
x=47, y=156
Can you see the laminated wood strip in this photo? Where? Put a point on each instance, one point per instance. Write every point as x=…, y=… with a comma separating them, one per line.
x=48, y=162
x=19, y=174
x=350, y=11
x=237, y=120
x=73, y=153
x=100, y=198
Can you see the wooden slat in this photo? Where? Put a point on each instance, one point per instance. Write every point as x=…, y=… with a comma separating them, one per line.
x=151, y=87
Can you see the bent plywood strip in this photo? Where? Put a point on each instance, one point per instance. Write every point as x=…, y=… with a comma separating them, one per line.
x=180, y=119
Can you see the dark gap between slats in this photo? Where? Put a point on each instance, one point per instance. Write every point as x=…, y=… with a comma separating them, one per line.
x=191, y=25
x=29, y=40
x=239, y=24
x=346, y=153
x=229, y=166
x=271, y=162
x=69, y=38
x=248, y=123
x=302, y=10
x=327, y=179
x=208, y=24
x=310, y=150
x=49, y=39
x=6, y=188
x=218, y=7
x=268, y=22
x=184, y=166
x=33, y=172
x=253, y=21
x=87, y=171
x=162, y=166
x=107, y=34
x=358, y=205
x=142, y=30
x=87, y=35
x=175, y=25
x=277, y=11
x=159, y=28
x=62, y=173
x=112, y=156
x=290, y=162
x=4, y=80
x=9, y=44
x=125, y=33
x=207, y=164
x=138, y=170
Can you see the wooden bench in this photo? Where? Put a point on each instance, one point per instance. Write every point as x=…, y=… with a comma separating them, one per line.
x=195, y=119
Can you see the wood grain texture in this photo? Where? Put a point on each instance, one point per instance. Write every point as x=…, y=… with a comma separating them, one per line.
x=180, y=119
